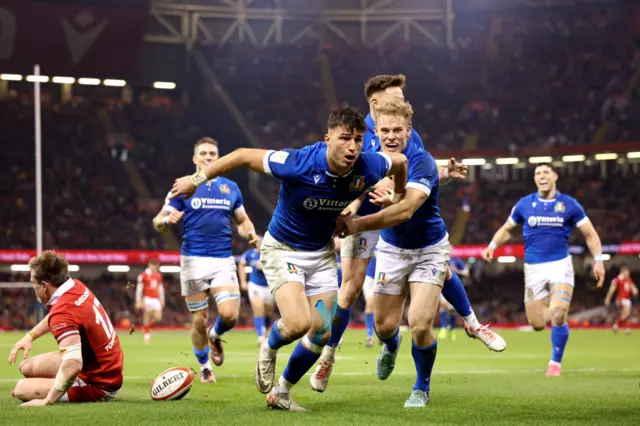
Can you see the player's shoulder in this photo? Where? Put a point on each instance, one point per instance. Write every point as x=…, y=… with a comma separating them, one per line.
x=227, y=181
x=527, y=199
x=567, y=199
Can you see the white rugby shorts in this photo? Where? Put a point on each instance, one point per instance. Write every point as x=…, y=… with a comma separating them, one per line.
x=360, y=245
x=396, y=267
x=260, y=291
x=539, y=277
x=624, y=303
x=367, y=288
x=198, y=273
x=151, y=304
x=317, y=271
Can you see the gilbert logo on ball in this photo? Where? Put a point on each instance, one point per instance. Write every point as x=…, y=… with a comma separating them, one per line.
x=172, y=384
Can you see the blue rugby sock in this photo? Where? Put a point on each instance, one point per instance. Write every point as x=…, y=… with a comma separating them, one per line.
x=368, y=322
x=339, y=325
x=424, y=358
x=392, y=342
x=453, y=290
x=202, y=355
x=258, y=323
x=443, y=319
x=219, y=327
x=452, y=320
x=276, y=340
x=300, y=361
x=559, y=338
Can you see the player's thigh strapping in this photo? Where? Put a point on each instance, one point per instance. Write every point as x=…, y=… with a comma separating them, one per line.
x=260, y=291
x=554, y=279
x=200, y=274
x=359, y=246
x=317, y=271
x=397, y=267
x=367, y=288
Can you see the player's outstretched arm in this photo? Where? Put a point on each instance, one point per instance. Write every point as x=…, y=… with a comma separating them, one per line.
x=25, y=343
x=611, y=292
x=503, y=235
x=592, y=239
x=242, y=157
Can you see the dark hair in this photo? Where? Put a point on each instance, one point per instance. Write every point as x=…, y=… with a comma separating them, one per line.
x=154, y=262
x=347, y=116
x=51, y=267
x=204, y=140
x=623, y=266
x=380, y=83
x=549, y=165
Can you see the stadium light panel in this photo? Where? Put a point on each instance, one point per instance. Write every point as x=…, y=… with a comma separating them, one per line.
x=20, y=268
x=114, y=82
x=40, y=78
x=474, y=161
x=11, y=77
x=606, y=256
x=89, y=81
x=64, y=80
x=635, y=154
x=118, y=268
x=73, y=268
x=167, y=85
x=536, y=160
x=506, y=259
x=507, y=160
x=607, y=156
x=573, y=158
x=169, y=269
x=442, y=163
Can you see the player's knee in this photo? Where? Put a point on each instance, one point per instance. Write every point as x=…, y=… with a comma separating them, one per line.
x=558, y=316
x=199, y=320
x=19, y=391
x=26, y=367
x=537, y=324
x=384, y=328
x=295, y=329
x=229, y=317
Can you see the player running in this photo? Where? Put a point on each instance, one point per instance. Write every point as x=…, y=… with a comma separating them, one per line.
x=357, y=250
x=207, y=267
x=257, y=288
x=447, y=311
x=412, y=254
x=88, y=365
x=625, y=288
x=150, y=297
x=547, y=218
x=318, y=183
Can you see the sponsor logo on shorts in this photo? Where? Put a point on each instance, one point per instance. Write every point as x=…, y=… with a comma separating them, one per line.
x=381, y=278
x=363, y=243
x=434, y=271
x=293, y=269
x=529, y=293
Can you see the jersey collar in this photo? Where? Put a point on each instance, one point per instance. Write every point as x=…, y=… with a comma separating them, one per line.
x=550, y=200
x=66, y=286
x=322, y=160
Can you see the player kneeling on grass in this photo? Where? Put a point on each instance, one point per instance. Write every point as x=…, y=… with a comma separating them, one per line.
x=317, y=183
x=150, y=297
x=80, y=325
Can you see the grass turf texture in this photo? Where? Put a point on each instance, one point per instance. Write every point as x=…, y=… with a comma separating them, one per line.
x=470, y=385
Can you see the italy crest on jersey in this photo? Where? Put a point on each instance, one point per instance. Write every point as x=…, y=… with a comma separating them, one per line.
x=559, y=207
x=357, y=184
x=224, y=189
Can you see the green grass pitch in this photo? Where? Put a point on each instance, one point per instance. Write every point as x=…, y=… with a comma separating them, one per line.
x=470, y=385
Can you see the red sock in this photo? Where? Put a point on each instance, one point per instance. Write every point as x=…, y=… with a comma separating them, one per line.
x=622, y=323
x=146, y=328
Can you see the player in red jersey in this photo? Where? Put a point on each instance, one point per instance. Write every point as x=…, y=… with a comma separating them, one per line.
x=150, y=297
x=625, y=288
x=88, y=365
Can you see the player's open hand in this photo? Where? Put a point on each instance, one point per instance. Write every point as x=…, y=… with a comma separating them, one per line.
x=23, y=344
x=381, y=197
x=598, y=273
x=487, y=254
x=183, y=186
x=456, y=170
x=34, y=403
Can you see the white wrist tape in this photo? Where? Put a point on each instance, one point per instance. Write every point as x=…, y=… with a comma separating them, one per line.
x=394, y=197
x=446, y=172
x=493, y=245
x=72, y=352
x=198, y=178
x=597, y=258
x=61, y=383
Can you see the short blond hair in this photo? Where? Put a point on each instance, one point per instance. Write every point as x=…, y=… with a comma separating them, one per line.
x=395, y=107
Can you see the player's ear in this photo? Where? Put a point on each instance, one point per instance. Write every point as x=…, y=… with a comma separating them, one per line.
x=327, y=138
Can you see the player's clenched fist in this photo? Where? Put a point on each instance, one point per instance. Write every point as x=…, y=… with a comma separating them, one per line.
x=487, y=254
x=173, y=218
x=183, y=186
x=23, y=344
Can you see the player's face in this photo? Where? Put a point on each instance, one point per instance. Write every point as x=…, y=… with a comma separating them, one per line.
x=393, y=132
x=154, y=267
x=545, y=178
x=625, y=272
x=386, y=95
x=40, y=289
x=343, y=148
x=204, y=155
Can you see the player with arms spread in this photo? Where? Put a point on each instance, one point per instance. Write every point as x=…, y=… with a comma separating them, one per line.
x=257, y=288
x=547, y=218
x=207, y=267
x=411, y=255
x=150, y=297
x=88, y=365
x=626, y=288
x=317, y=183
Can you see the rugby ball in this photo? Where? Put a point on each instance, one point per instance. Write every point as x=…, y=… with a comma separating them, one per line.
x=172, y=384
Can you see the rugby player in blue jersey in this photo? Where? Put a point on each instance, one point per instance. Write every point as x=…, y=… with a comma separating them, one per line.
x=412, y=254
x=317, y=183
x=207, y=267
x=547, y=218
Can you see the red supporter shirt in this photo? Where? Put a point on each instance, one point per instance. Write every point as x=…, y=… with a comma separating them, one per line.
x=624, y=286
x=74, y=309
x=151, y=281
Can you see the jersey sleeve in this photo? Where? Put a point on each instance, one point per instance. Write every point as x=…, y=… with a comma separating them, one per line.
x=516, y=217
x=577, y=215
x=243, y=258
x=415, y=140
x=62, y=325
x=378, y=165
x=175, y=204
x=282, y=164
x=423, y=175
x=239, y=200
